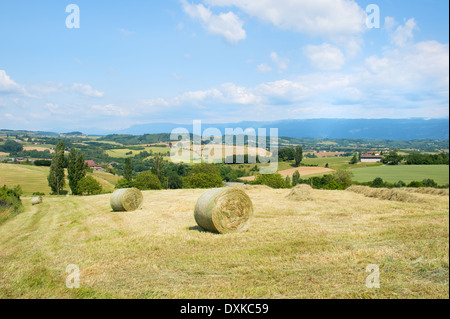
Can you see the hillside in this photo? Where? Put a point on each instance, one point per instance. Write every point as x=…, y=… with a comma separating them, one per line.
x=312, y=249
x=34, y=179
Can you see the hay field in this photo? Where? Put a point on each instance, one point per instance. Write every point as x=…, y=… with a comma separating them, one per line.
x=304, y=171
x=34, y=179
x=319, y=248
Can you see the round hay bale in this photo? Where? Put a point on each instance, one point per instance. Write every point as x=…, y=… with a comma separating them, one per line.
x=224, y=210
x=300, y=193
x=126, y=200
x=37, y=200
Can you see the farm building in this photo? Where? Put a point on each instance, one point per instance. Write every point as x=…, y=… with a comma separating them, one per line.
x=371, y=158
x=92, y=164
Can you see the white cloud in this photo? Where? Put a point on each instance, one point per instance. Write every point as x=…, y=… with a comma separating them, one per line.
x=390, y=23
x=324, y=17
x=281, y=63
x=263, y=68
x=227, y=25
x=325, y=57
x=86, y=90
x=126, y=32
x=404, y=33
x=414, y=78
x=7, y=85
x=110, y=110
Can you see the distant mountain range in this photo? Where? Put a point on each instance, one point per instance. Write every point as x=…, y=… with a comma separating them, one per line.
x=390, y=129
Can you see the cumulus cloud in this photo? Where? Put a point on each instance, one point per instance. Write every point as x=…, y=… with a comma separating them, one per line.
x=281, y=63
x=325, y=17
x=415, y=78
x=325, y=57
x=7, y=85
x=111, y=110
x=263, y=68
x=86, y=90
x=404, y=33
x=227, y=25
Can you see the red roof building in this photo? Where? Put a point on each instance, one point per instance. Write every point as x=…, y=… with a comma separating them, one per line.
x=91, y=163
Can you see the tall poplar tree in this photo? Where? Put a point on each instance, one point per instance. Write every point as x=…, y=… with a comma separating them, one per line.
x=76, y=170
x=298, y=156
x=56, y=177
x=128, y=170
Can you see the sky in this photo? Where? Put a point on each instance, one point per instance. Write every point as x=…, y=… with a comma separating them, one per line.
x=219, y=61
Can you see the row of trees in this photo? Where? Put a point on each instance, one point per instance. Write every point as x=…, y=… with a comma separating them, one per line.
x=172, y=177
x=79, y=183
x=380, y=183
x=291, y=154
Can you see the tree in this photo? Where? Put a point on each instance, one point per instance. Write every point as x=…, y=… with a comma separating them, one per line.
x=123, y=183
x=76, y=170
x=56, y=177
x=175, y=181
x=354, y=160
x=298, y=155
x=158, y=167
x=393, y=158
x=147, y=181
x=343, y=178
x=296, y=178
x=286, y=154
x=90, y=186
x=11, y=146
x=203, y=176
x=288, y=181
x=128, y=170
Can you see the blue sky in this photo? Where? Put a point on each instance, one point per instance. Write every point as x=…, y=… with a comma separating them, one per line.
x=136, y=62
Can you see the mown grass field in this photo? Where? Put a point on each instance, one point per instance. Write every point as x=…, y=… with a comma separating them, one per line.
x=34, y=179
x=313, y=249
x=120, y=153
x=440, y=173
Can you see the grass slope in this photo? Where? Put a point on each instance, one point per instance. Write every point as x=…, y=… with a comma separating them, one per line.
x=34, y=179
x=313, y=249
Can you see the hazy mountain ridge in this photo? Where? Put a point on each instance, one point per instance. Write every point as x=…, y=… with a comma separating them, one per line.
x=390, y=129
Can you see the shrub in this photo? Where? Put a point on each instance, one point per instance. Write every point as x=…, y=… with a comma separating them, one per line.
x=273, y=181
x=415, y=184
x=429, y=183
x=38, y=194
x=123, y=183
x=202, y=180
x=10, y=203
x=90, y=186
x=343, y=177
x=203, y=176
x=400, y=184
x=147, y=181
x=377, y=183
x=296, y=178
x=46, y=163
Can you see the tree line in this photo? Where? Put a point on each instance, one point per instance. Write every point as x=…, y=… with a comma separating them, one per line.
x=77, y=169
